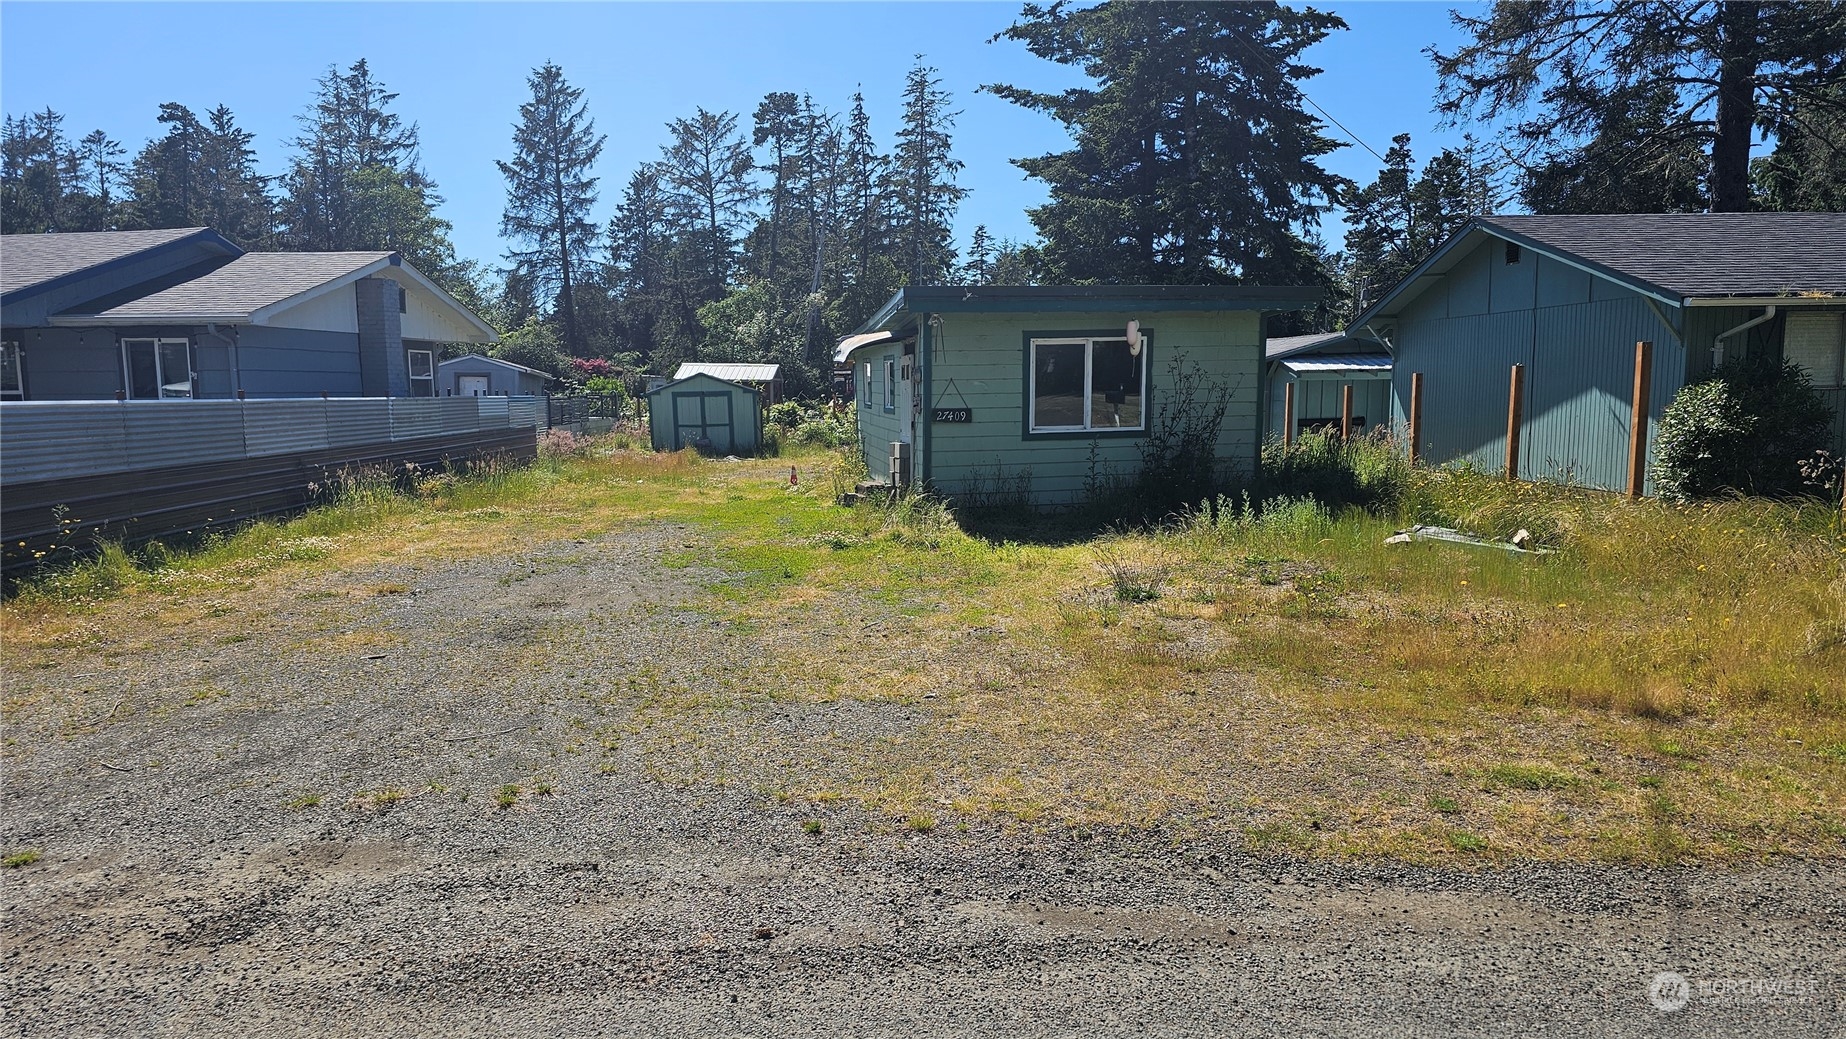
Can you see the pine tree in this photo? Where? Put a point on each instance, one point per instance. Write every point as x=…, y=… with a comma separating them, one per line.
x=707, y=168
x=549, y=191
x=1574, y=71
x=868, y=211
x=1396, y=221
x=1807, y=170
x=922, y=179
x=356, y=182
x=980, y=257
x=1194, y=161
x=36, y=163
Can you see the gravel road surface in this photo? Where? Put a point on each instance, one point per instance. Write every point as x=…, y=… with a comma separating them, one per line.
x=297, y=828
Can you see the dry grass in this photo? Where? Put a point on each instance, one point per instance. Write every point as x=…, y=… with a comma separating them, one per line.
x=1666, y=685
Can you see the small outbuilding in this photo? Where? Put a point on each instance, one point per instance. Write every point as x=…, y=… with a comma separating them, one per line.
x=1030, y=394
x=477, y=375
x=708, y=413
x=1320, y=367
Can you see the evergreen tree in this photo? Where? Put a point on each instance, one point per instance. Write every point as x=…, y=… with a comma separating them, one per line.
x=168, y=174
x=356, y=182
x=103, y=167
x=707, y=168
x=868, y=205
x=38, y=169
x=1396, y=221
x=1573, y=68
x=922, y=179
x=778, y=124
x=1638, y=161
x=549, y=191
x=641, y=243
x=1807, y=170
x=980, y=257
x=236, y=197
x=1194, y=161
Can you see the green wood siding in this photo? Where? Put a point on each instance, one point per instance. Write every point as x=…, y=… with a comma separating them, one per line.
x=979, y=362
x=732, y=415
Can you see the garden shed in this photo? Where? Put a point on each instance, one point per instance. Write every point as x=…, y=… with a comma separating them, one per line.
x=1030, y=394
x=1568, y=298
x=766, y=378
x=708, y=413
x=1320, y=367
x=476, y=375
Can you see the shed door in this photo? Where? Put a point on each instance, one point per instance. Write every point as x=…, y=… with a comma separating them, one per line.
x=472, y=386
x=703, y=420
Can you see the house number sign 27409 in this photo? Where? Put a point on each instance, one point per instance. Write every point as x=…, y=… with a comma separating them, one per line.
x=951, y=415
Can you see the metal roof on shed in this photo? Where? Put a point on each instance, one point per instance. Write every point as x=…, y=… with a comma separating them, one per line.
x=1339, y=363
x=730, y=372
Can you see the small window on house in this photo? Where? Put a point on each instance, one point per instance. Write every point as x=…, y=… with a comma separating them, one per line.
x=422, y=373
x=1086, y=384
x=158, y=369
x=403, y=300
x=890, y=398
x=865, y=384
x=1512, y=253
x=1815, y=342
x=12, y=373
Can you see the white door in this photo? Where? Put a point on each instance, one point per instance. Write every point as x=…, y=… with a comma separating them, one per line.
x=472, y=385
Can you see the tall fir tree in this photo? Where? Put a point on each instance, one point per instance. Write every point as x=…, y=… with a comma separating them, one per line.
x=1396, y=221
x=549, y=192
x=922, y=175
x=1573, y=70
x=356, y=181
x=707, y=168
x=1193, y=159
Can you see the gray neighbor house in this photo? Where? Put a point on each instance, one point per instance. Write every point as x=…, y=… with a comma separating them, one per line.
x=1570, y=296
x=185, y=314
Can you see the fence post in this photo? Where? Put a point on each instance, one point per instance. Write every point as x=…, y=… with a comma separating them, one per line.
x=1288, y=414
x=1637, y=418
x=1346, y=412
x=1515, y=417
x=1416, y=417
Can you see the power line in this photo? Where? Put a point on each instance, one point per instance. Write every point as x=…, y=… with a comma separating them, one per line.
x=1304, y=96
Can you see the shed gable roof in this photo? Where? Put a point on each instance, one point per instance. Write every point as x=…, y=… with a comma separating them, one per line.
x=730, y=372
x=702, y=379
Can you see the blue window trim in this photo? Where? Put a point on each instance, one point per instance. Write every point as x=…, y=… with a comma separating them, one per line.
x=1025, y=384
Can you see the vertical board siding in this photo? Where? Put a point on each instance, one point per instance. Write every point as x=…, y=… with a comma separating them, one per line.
x=979, y=361
x=1577, y=344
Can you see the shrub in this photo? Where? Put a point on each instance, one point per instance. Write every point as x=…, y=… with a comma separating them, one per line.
x=787, y=414
x=1366, y=471
x=1746, y=429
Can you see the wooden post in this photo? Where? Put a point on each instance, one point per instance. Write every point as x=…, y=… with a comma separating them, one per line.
x=1416, y=417
x=1288, y=414
x=1637, y=419
x=1346, y=412
x=1515, y=418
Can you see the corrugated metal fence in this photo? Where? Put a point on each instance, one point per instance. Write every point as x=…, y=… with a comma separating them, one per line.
x=74, y=471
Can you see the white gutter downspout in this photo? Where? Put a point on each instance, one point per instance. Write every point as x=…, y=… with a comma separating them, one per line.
x=1717, y=345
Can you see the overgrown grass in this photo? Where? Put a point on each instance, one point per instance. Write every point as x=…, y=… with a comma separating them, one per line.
x=1665, y=684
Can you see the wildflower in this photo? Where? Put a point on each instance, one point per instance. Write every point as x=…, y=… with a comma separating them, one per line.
x=1464, y=582
x=1563, y=605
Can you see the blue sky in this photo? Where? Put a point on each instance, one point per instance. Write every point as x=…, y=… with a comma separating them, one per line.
x=460, y=72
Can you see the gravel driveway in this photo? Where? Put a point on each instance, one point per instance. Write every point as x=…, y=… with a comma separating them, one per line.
x=425, y=800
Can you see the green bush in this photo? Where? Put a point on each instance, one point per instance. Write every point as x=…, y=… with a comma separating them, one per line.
x=788, y=414
x=1746, y=430
x=1366, y=471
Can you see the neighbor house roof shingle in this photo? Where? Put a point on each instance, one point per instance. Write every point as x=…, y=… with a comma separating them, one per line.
x=1701, y=254
x=233, y=292
x=31, y=260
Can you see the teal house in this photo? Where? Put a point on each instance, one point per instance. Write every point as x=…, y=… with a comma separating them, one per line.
x=1568, y=297
x=988, y=393
x=707, y=413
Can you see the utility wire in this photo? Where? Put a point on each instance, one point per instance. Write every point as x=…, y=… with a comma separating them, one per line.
x=1304, y=96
